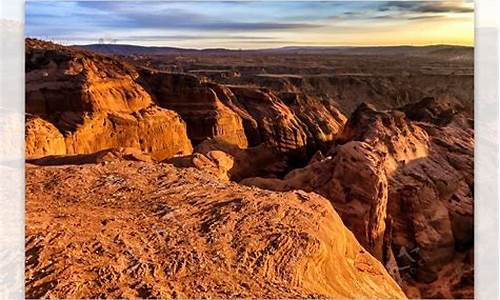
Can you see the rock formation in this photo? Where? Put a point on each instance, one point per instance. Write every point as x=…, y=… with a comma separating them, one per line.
x=442, y=111
x=62, y=79
x=416, y=178
x=377, y=86
x=83, y=103
x=97, y=102
x=293, y=124
x=42, y=138
x=322, y=121
x=198, y=104
x=261, y=160
x=353, y=177
x=388, y=132
x=136, y=229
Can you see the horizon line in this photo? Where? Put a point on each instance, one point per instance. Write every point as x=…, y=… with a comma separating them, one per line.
x=256, y=49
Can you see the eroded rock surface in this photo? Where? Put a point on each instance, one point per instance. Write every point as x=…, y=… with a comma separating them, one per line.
x=42, y=138
x=198, y=104
x=415, y=178
x=61, y=79
x=135, y=229
x=353, y=177
x=103, y=156
x=82, y=103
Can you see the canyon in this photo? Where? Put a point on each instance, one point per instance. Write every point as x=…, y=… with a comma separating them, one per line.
x=279, y=173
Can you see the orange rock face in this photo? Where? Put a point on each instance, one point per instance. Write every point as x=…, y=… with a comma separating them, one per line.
x=353, y=178
x=154, y=130
x=228, y=161
x=321, y=120
x=206, y=116
x=42, y=138
x=389, y=132
x=85, y=103
x=181, y=233
x=431, y=201
x=61, y=79
x=275, y=122
x=415, y=179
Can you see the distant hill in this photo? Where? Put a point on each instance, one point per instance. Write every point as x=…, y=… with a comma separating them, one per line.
x=121, y=49
x=438, y=51
x=132, y=49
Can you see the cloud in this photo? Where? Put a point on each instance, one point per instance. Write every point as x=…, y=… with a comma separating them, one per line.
x=193, y=23
x=427, y=6
x=133, y=15
x=425, y=17
x=187, y=20
x=406, y=11
x=149, y=38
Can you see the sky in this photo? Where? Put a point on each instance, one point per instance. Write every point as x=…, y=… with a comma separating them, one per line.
x=252, y=24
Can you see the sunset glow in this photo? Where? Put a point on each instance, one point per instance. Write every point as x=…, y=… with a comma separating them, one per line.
x=253, y=24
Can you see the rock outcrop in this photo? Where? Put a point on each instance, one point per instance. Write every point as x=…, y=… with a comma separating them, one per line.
x=154, y=130
x=322, y=121
x=275, y=121
x=136, y=229
x=442, y=111
x=215, y=162
x=432, y=205
x=229, y=162
x=389, y=132
x=405, y=189
x=353, y=178
x=62, y=79
x=82, y=103
x=350, y=88
x=206, y=116
x=42, y=138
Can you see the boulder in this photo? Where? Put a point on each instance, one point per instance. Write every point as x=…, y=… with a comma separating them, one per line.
x=42, y=138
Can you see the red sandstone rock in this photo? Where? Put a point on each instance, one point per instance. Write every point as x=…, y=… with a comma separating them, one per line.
x=42, y=138
x=206, y=116
x=90, y=103
x=275, y=121
x=427, y=194
x=136, y=229
x=154, y=130
x=353, y=178
x=228, y=161
x=61, y=79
